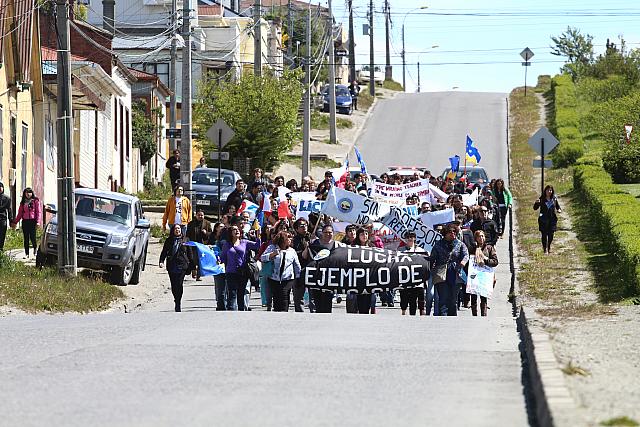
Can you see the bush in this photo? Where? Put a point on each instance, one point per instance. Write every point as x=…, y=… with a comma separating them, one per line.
x=622, y=161
x=614, y=212
x=594, y=90
x=566, y=121
x=392, y=85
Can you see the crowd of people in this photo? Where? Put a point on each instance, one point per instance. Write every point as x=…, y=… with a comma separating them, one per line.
x=270, y=257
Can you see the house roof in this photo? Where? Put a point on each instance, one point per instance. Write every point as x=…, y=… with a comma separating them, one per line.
x=296, y=4
x=49, y=54
x=148, y=77
x=210, y=10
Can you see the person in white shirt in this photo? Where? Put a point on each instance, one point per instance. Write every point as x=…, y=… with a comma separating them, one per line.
x=286, y=269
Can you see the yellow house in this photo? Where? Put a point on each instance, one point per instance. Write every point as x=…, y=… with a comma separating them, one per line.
x=20, y=88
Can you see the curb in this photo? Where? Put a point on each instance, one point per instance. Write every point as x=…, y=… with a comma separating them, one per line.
x=553, y=404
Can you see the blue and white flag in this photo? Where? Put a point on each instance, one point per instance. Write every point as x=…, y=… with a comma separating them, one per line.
x=363, y=167
x=472, y=153
x=353, y=208
x=207, y=260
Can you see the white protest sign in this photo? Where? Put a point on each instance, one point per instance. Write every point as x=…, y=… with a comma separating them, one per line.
x=480, y=279
x=400, y=223
x=353, y=208
x=438, y=217
x=471, y=199
x=302, y=195
x=305, y=207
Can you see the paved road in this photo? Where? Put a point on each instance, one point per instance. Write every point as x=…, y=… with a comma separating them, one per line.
x=426, y=129
x=200, y=367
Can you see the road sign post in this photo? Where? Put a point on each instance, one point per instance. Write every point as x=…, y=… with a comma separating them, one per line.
x=222, y=133
x=542, y=143
x=526, y=54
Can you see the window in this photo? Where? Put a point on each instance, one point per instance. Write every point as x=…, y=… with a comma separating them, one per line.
x=50, y=144
x=128, y=134
x=25, y=142
x=158, y=69
x=115, y=123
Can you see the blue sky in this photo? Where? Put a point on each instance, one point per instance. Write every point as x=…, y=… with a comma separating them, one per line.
x=492, y=33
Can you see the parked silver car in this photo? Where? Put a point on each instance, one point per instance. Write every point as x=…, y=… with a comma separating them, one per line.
x=112, y=235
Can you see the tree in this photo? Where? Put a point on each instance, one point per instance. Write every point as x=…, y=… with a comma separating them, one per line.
x=145, y=129
x=263, y=112
x=576, y=47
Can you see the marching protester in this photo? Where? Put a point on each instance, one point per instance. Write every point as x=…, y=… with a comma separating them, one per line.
x=485, y=254
x=485, y=224
x=236, y=197
x=29, y=212
x=6, y=214
x=413, y=298
x=198, y=230
x=504, y=200
x=448, y=257
x=259, y=178
x=285, y=271
x=177, y=210
x=173, y=164
x=300, y=242
x=215, y=241
x=179, y=262
x=202, y=163
x=322, y=299
x=548, y=219
x=266, y=268
x=365, y=302
x=234, y=256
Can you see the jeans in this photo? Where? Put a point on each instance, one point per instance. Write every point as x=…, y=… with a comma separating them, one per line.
x=448, y=293
x=281, y=292
x=29, y=234
x=236, y=288
x=298, y=295
x=177, y=279
x=265, y=292
x=432, y=299
x=3, y=232
x=503, y=219
x=221, y=294
x=323, y=300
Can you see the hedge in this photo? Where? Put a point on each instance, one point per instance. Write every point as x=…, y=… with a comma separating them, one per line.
x=566, y=122
x=615, y=213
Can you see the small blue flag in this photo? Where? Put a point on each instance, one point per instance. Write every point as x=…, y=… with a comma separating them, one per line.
x=207, y=260
x=455, y=163
x=363, y=167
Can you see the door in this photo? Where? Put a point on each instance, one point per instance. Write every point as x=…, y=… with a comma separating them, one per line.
x=23, y=155
x=13, y=124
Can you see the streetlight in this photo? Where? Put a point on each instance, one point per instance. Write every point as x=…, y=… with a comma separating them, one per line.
x=404, y=73
x=432, y=47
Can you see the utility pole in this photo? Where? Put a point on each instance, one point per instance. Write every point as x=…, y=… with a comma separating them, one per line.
x=333, y=138
x=352, y=45
x=372, y=81
x=173, y=100
x=185, y=110
x=67, y=255
x=418, y=77
x=388, y=71
x=404, y=65
x=290, y=34
x=306, y=125
x=257, y=42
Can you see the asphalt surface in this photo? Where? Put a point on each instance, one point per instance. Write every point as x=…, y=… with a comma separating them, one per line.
x=201, y=367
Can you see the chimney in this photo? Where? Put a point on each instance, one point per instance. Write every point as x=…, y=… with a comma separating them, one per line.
x=108, y=15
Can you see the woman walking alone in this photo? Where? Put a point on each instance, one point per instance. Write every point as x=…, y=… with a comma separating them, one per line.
x=286, y=269
x=234, y=256
x=505, y=200
x=547, y=220
x=29, y=212
x=179, y=262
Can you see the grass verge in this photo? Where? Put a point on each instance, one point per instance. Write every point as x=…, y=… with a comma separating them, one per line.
x=327, y=163
x=552, y=280
x=14, y=239
x=320, y=121
x=34, y=290
x=392, y=85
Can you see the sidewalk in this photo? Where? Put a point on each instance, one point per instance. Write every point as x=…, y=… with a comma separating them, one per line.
x=337, y=152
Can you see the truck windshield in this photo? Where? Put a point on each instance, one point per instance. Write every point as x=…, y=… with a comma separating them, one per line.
x=103, y=208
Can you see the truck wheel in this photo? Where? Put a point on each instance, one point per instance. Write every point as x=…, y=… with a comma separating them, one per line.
x=135, y=277
x=122, y=275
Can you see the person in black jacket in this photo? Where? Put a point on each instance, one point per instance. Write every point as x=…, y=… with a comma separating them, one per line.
x=548, y=220
x=179, y=262
x=485, y=224
x=173, y=164
x=6, y=215
x=237, y=196
x=198, y=230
